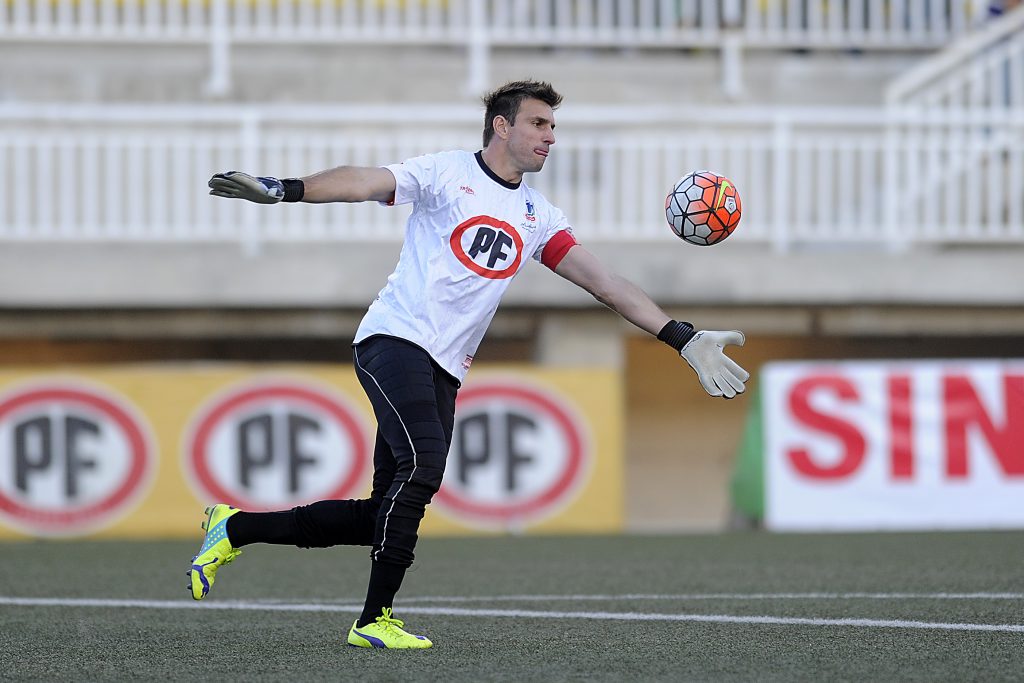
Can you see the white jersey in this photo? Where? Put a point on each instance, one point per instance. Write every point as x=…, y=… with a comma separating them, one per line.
x=469, y=233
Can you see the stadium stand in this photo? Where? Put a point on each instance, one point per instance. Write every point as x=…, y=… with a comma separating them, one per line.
x=878, y=145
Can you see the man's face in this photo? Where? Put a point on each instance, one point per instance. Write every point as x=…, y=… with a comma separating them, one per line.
x=532, y=135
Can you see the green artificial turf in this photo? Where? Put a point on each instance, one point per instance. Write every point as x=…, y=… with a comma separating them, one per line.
x=744, y=574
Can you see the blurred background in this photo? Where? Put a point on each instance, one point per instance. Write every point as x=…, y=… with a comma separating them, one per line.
x=162, y=349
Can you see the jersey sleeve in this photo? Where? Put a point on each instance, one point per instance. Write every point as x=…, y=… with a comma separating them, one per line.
x=558, y=240
x=415, y=179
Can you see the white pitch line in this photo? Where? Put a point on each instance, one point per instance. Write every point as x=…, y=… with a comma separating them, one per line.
x=717, y=596
x=517, y=614
x=179, y=604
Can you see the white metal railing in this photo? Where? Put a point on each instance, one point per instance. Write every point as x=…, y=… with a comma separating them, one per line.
x=881, y=178
x=984, y=69
x=837, y=23
x=480, y=25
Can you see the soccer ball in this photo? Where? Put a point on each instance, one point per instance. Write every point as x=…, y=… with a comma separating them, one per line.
x=703, y=208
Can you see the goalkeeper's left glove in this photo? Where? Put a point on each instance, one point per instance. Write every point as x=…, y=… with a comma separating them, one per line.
x=704, y=351
x=262, y=190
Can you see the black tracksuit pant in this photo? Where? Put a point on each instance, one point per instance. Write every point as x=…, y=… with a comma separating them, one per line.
x=413, y=400
x=414, y=403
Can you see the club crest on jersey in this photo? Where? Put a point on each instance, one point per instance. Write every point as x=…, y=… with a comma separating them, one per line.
x=488, y=247
x=530, y=222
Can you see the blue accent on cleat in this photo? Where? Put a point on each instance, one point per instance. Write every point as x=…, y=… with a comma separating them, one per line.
x=376, y=642
x=215, y=552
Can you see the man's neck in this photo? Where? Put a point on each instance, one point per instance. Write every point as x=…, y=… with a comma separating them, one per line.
x=500, y=164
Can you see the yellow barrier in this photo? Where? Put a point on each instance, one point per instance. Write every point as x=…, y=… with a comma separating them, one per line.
x=138, y=451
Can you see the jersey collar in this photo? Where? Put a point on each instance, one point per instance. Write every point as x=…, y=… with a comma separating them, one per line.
x=494, y=176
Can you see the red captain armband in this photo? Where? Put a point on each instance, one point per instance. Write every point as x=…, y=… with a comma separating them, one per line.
x=556, y=248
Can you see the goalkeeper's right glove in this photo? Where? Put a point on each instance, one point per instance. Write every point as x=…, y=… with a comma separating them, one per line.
x=704, y=351
x=238, y=185
x=718, y=374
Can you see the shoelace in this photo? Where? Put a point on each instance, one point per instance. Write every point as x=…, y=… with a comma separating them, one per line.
x=231, y=556
x=387, y=621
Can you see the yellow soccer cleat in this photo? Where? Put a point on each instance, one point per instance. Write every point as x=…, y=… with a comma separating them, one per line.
x=386, y=632
x=216, y=551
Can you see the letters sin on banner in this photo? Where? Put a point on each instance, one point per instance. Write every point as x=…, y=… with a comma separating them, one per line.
x=138, y=451
x=894, y=445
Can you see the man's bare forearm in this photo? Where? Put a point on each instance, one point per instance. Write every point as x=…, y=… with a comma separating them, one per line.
x=349, y=184
x=633, y=304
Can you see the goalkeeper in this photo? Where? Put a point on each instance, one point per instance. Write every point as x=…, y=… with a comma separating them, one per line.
x=474, y=224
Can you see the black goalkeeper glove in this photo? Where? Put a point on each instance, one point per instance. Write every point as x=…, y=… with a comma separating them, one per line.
x=261, y=190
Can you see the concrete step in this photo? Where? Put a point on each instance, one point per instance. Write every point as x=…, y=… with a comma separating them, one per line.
x=320, y=74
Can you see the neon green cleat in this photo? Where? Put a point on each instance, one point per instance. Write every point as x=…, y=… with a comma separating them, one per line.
x=216, y=551
x=386, y=632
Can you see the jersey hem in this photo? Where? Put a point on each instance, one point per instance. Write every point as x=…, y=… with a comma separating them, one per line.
x=458, y=382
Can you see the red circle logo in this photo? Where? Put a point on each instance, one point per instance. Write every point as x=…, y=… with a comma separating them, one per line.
x=488, y=247
x=518, y=454
x=275, y=445
x=74, y=458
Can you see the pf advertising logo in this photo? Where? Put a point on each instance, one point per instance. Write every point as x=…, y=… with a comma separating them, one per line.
x=73, y=458
x=276, y=444
x=518, y=454
x=488, y=247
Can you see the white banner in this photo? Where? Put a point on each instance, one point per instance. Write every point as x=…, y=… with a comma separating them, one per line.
x=894, y=445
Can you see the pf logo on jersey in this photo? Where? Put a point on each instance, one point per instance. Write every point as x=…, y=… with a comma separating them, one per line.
x=518, y=454
x=276, y=444
x=73, y=458
x=488, y=247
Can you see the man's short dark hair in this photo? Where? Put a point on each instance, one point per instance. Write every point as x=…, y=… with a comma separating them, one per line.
x=506, y=100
